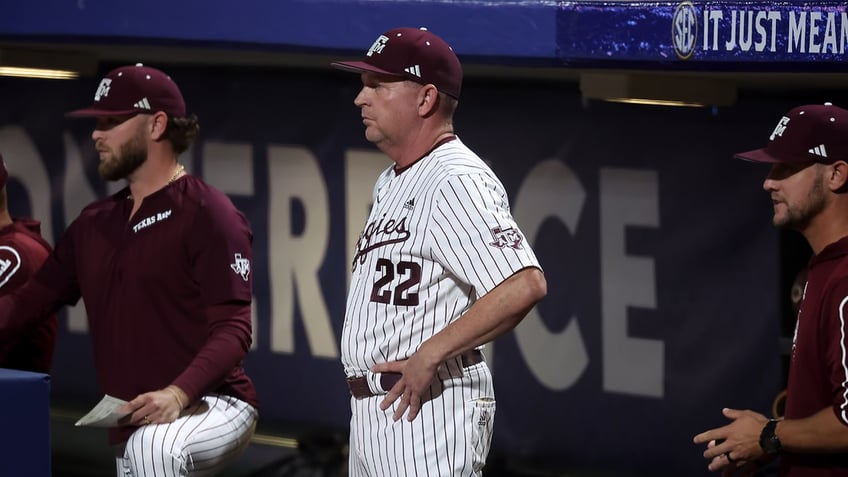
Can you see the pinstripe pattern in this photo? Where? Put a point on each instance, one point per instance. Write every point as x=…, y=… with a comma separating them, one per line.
x=206, y=438
x=451, y=437
x=439, y=236
x=458, y=201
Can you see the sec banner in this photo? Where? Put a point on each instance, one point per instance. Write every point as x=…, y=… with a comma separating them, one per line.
x=747, y=35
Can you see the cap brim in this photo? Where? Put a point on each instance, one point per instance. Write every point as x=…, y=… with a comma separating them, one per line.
x=361, y=67
x=757, y=155
x=762, y=155
x=92, y=112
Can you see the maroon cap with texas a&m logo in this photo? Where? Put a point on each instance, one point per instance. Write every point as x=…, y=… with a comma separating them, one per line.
x=806, y=135
x=132, y=90
x=415, y=54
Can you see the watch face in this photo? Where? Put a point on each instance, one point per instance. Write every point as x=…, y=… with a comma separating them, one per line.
x=770, y=446
x=768, y=439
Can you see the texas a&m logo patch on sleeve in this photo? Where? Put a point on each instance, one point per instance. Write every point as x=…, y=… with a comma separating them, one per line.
x=241, y=266
x=506, y=237
x=10, y=263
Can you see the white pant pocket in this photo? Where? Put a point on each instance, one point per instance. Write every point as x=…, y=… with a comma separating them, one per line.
x=482, y=411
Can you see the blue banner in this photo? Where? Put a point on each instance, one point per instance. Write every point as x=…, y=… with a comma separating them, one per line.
x=689, y=34
x=658, y=249
x=742, y=35
x=523, y=29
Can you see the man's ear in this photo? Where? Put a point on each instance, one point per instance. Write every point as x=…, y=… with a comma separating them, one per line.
x=838, y=179
x=158, y=125
x=428, y=100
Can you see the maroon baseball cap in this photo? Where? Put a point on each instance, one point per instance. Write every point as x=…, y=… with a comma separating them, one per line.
x=414, y=54
x=132, y=90
x=806, y=135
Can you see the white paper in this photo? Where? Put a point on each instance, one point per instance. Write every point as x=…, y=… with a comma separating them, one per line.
x=104, y=414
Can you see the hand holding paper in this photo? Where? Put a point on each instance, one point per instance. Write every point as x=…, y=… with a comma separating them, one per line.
x=104, y=414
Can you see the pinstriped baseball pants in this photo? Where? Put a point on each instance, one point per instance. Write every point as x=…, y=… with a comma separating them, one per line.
x=206, y=438
x=450, y=436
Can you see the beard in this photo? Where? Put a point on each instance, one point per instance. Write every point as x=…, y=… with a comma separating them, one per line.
x=131, y=156
x=798, y=216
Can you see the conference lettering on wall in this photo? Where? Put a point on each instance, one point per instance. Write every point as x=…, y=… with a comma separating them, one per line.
x=658, y=249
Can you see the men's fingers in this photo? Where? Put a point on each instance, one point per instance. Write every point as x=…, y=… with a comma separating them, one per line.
x=717, y=463
x=715, y=453
x=732, y=413
x=136, y=418
x=389, y=367
x=409, y=401
x=403, y=405
x=703, y=437
x=131, y=406
x=414, y=407
x=730, y=459
x=389, y=399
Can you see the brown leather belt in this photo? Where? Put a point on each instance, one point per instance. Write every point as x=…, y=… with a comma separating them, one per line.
x=359, y=384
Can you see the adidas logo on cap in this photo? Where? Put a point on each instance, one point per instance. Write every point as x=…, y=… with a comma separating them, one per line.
x=414, y=70
x=142, y=104
x=818, y=151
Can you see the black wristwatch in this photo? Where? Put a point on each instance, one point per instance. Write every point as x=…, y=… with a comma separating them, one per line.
x=768, y=439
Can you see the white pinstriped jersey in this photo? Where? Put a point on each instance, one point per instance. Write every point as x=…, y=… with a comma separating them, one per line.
x=439, y=236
